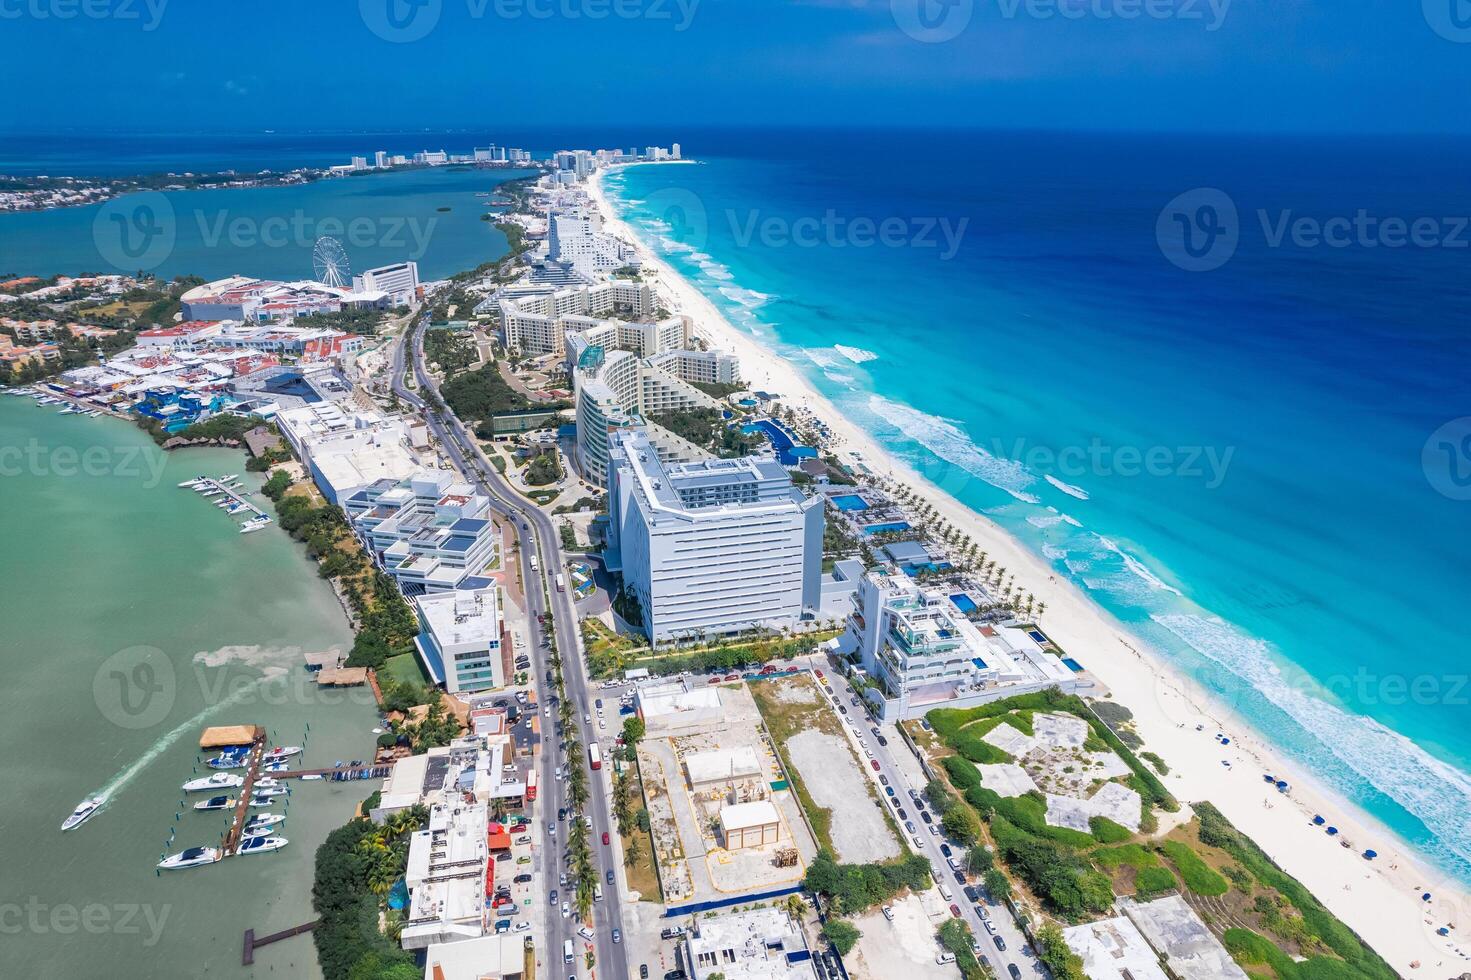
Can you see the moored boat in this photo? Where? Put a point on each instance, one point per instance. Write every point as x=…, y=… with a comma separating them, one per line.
x=191, y=857
x=219, y=780
x=281, y=752
x=260, y=845
x=216, y=803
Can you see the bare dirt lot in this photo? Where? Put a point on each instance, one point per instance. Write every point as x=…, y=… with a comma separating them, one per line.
x=830, y=773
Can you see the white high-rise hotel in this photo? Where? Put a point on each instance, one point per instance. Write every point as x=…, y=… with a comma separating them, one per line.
x=711, y=547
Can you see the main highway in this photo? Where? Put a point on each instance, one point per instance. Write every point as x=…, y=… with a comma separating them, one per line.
x=538, y=539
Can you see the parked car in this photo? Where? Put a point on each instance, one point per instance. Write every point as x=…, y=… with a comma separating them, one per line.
x=945, y=850
x=925, y=816
x=890, y=791
x=909, y=824
x=973, y=894
x=617, y=935
x=883, y=780
x=643, y=971
x=1000, y=943
x=990, y=926
x=874, y=763
x=522, y=879
x=955, y=910
x=1015, y=973
x=883, y=740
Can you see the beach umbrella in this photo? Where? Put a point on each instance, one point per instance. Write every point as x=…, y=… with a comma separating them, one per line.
x=1425, y=897
x=1370, y=855
x=1318, y=821
x=1332, y=831
x=1269, y=778
x=1282, y=785
x=1225, y=741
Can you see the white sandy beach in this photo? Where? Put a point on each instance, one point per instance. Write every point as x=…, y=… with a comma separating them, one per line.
x=1379, y=899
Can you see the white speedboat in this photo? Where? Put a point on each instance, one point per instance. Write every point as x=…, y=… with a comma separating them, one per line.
x=267, y=794
x=254, y=525
x=312, y=775
x=265, y=820
x=260, y=845
x=226, y=761
x=227, y=477
x=83, y=812
x=266, y=782
x=219, y=780
x=281, y=752
x=216, y=803
x=191, y=858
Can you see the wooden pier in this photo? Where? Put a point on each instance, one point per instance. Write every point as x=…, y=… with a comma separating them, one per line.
x=209, y=484
x=247, y=955
x=242, y=809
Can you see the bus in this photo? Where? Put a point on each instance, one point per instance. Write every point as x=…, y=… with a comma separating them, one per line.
x=595, y=755
x=531, y=786
x=561, y=584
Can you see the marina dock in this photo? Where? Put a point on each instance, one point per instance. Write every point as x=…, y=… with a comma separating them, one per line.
x=219, y=488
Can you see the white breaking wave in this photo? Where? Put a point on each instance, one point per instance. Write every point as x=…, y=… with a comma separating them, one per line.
x=1071, y=520
x=748, y=298
x=947, y=441
x=819, y=356
x=1044, y=520
x=1053, y=553
x=1066, y=488
x=855, y=354
x=1437, y=793
x=1138, y=568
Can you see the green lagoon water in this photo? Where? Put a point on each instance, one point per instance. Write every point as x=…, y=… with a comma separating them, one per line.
x=133, y=615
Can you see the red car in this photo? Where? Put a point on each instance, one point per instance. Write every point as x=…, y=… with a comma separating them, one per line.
x=818, y=673
x=713, y=680
x=768, y=669
x=605, y=838
x=874, y=763
x=732, y=677
x=955, y=910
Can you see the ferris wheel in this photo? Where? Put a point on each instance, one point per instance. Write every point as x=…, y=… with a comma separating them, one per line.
x=329, y=261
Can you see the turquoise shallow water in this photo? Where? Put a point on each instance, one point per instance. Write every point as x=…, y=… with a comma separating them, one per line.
x=1230, y=463
x=135, y=615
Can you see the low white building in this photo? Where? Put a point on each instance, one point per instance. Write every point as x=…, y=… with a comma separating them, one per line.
x=429, y=531
x=674, y=707
x=752, y=824
x=722, y=766
x=445, y=877
x=345, y=451
x=1113, y=949
x=500, y=957
x=760, y=944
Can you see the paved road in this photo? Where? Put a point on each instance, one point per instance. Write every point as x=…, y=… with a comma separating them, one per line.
x=537, y=538
x=907, y=776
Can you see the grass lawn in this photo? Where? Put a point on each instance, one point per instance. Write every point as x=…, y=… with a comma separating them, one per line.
x=406, y=669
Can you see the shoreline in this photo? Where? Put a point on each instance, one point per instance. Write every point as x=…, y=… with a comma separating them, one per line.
x=1380, y=900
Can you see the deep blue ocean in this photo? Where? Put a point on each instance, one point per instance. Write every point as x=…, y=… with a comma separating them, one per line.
x=1238, y=462
x=1215, y=381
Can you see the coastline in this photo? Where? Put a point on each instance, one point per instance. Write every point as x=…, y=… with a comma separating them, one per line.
x=1379, y=899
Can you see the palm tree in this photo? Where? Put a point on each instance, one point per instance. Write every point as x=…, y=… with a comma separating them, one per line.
x=795, y=907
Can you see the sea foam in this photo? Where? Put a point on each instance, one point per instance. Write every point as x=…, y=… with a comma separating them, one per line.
x=855, y=354
x=1066, y=488
x=945, y=439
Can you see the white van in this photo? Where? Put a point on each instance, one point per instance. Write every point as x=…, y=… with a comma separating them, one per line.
x=566, y=951
x=597, y=893
x=945, y=891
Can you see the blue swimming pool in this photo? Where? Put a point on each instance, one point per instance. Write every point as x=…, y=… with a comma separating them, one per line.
x=850, y=502
x=889, y=526
x=963, y=602
x=912, y=569
x=788, y=450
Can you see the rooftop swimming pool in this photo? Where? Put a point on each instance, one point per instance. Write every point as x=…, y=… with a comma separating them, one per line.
x=964, y=602
x=850, y=502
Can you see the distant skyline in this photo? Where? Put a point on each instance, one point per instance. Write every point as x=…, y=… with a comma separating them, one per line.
x=1167, y=65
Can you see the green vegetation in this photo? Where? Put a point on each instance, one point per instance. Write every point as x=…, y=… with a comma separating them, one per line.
x=1053, y=950
x=1107, y=832
x=852, y=888
x=1154, y=881
x=955, y=936
x=1154, y=760
x=544, y=468
x=1198, y=876
x=718, y=391
x=706, y=428
x=358, y=320
x=842, y=934
x=451, y=350
x=355, y=867
x=482, y=394
x=1320, y=926
x=608, y=653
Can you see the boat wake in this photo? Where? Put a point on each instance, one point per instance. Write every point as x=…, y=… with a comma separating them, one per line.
x=127, y=774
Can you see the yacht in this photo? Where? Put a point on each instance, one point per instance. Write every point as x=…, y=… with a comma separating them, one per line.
x=226, y=762
x=265, y=799
x=83, y=812
x=266, y=793
x=191, y=858
x=215, y=803
x=266, y=782
x=219, y=780
x=265, y=820
x=281, y=752
x=254, y=525
x=259, y=845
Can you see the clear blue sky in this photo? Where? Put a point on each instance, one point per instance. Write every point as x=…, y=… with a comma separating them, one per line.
x=1335, y=65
